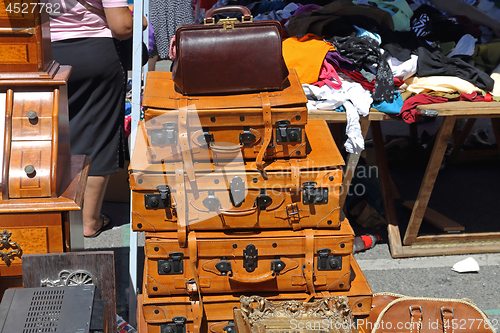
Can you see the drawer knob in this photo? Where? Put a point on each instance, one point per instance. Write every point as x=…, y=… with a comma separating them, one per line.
x=6, y=243
x=30, y=170
x=32, y=115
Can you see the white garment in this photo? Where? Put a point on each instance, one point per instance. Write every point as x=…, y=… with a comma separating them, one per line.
x=465, y=46
x=355, y=99
x=496, y=77
x=403, y=70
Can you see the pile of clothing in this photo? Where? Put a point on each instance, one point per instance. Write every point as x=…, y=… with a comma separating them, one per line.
x=353, y=55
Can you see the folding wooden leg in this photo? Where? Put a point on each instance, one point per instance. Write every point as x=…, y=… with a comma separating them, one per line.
x=386, y=188
x=424, y=194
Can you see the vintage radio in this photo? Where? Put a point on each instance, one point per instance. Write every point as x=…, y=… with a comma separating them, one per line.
x=253, y=126
x=298, y=193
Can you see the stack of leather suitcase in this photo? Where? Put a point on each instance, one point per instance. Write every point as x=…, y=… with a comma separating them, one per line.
x=238, y=195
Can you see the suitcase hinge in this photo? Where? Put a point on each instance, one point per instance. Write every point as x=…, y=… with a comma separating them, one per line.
x=171, y=266
x=230, y=328
x=237, y=191
x=250, y=258
x=205, y=136
x=179, y=326
x=328, y=261
x=165, y=136
x=263, y=200
x=287, y=134
x=161, y=200
x=224, y=266
x=211, y=202
x=246, y=137
x=312, y=195
x=277, y=265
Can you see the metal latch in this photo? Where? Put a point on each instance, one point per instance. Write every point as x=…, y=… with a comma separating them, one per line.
x=263, y=200
x=328, y=261
x=224, y=266
x=161, y=200
x=312, y=195
x=165, y=136
x=228, y=22
x=277, y=265
x=237, y=191
x=205, y=136
x=246, y=137
x=250, y=258
x=178, y=326
x=230, y=328
x=211, y=202
x=287, y=134
x=172, y=266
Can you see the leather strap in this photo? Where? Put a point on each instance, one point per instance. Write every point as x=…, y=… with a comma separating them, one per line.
x=415, y=318
x=309, y=260
x=184, y=147
x=295, y=170
x=268, y=133
x=196, y=299
x=447, y=315
x=180, y=205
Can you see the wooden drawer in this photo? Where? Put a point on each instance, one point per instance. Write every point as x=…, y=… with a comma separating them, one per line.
x=27, y=234
x=32, y=116
x=24, y=37
x=24, y=183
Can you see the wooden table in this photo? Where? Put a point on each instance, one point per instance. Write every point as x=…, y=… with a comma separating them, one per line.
x=413, y=244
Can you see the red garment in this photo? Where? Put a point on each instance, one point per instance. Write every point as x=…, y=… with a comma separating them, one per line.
x=472, y=97
x=358, y=77
x=409, y=111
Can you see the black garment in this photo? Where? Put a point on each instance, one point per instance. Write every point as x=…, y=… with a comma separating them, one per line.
x=326, y=21
x=437, y=64
x=431, y=25
x=363, y=51
x=96, y=96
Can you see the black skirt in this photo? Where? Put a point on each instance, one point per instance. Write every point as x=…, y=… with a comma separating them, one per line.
x=96, y=96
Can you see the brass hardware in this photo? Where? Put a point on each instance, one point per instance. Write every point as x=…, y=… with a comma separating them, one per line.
x=5, y=243
x=228, y=22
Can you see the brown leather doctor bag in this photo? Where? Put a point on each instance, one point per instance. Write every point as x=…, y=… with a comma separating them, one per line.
x=229, y=56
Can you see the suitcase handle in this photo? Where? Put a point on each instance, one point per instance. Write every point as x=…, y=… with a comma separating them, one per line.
x=252, y=278
x=226, y=149
x=247, y=14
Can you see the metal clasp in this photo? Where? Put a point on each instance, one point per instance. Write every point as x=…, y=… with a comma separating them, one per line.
x=421, y=311
x=452, y=311
x=228, y=22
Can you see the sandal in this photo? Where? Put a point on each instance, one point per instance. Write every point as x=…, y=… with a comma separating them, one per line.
x=106, y=223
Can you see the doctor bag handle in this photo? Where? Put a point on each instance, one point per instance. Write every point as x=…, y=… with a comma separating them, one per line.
x=247, y=15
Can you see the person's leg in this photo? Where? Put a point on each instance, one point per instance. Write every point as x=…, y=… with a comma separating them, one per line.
x=92, y=203
x=152, y=63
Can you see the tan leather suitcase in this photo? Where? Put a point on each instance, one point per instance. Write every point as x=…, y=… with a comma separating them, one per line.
x=227, y=262
x=298, y=193
x=252, y=126
x=158, y=313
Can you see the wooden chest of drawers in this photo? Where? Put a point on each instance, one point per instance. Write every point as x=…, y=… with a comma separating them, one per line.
x=24, y=38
